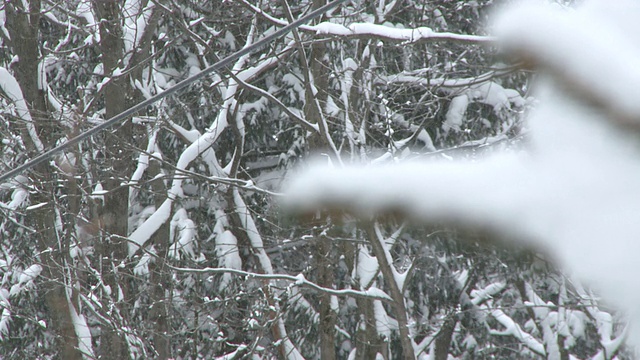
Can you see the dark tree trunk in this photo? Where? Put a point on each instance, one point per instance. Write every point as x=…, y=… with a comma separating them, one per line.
x=115, y=214
x=159, y=277
x=443, y=340
x=368, y=342
x=325, y=260
x=23, y=27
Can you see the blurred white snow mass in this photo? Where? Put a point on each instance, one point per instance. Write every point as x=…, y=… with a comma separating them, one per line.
x=576, y=192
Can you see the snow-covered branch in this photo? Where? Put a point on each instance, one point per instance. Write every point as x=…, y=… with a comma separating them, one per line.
x=450, y=84
x=376, y=31
x=11, y=88
x=299, y=280
x=387, y=33
x=513, y=329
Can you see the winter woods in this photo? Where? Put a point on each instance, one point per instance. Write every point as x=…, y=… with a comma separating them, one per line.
x=164, y=237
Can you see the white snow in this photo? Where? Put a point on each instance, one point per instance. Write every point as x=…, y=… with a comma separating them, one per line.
x=380, y=31
x=301, y=279
x=84, y=11
x=399, y=119
x=489, y=93
x=419, y=77
x=480, y=296
x=82, y=330
x=384, y=323
x=233, y=355
x=349, y=66
x=366, y=268
x=511, y=328
x=136, y=19
x=3, y=19
x=102, y=83
x=455, y=115
x=30, y=273
x=246, y=219
x=150, y=226
x=465, y=91
x=4, y=298
x=10, y=86
x=387, y=244
x=185, y=230
x=390, y=33
x=296, y=85
x=142, y=267
x=201, y=146
x=228, y=255
x=378, y=293
x=4, y=322
x=143, y=161
x=98, y=192
x=18, y=198
x=25, y=279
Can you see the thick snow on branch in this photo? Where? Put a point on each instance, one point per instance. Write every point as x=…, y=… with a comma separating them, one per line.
x=419, y=77
x=489, y=93
x=575, y=192
x=11, y=88
x=136, y=19
x=382, y=32
x=199, y=146
x=393, y=34
x=25, y=279
x=479, y=89
x=228, y=254
x=384, y=323
x=84, y=12
x=366, y=269
x=184, y=231
x=4, y=322
x=18, y=198
x=150, y=226
x=81, y=329
x=513, y=329
x=482, y=295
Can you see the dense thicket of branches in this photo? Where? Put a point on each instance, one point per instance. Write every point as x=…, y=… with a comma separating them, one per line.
x=163, y=237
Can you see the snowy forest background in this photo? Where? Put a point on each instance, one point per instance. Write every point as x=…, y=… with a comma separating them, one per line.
x=164, y=237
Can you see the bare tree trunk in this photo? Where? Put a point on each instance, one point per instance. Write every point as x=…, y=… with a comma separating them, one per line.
x=443, y=340
x=23, y=27
x=113, y=248
x=53, y=259
x=368, y=342
x=325, y=259
x=318, y=73
x=116, y=210
x=159, y=276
